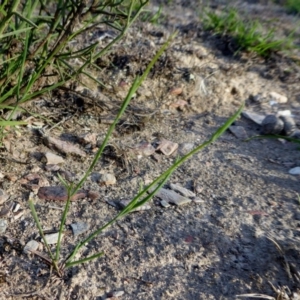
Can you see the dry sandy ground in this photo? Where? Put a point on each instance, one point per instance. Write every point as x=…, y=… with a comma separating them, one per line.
x=218, y=247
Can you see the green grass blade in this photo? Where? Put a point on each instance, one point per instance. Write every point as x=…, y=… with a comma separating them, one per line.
x=38, y=224
x=12, y=123
x=81, y=261
x=15, y=32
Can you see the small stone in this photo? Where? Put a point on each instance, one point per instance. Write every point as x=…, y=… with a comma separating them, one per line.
x=107, y=179
x=198, y=200
x=125, y=202
x=172, y=197
x=256, y=118
x=112, y=203
x=53, y=159
x=58, y=193
x=118, y=293
x=185, y=148
x=3, y=225
x=79, y=227
x=284, y=113
x=167, y=147
x=93, y=195
x=164, y=203
x=31, y=245
x=63, y=146
x=52, y=238
x=183, y=191
x=296, y=134
x=3, y=196
x=278, y=97
x=52, y=168
x=144, y=149
x=295, y=171
x=272, y=125
x=88, y=138
x=259, y=98
x=68, y=175
x=289, y=125
x=239, y=132
x=176, y=91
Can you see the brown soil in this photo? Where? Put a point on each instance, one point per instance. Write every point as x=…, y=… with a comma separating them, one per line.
x=215, y=249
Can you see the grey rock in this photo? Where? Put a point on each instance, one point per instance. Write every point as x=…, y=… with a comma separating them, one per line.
x=295, y=171
x=256, y=118
x=107, y=179
x=278, y=97
x=296, y=134
x=79, y=227
x=167, y=147
x=164, y=203
x=52, y=238
x=172, y=197
x=198, y=200
x=3, y=225
x=272, y=125
x=289, y=125
x=239, y=132
x=3, y=196
x=53, y=159
x=31, y=245
x=183, y=191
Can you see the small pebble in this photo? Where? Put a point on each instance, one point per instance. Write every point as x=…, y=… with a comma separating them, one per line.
x=296, y=134
x=198, y=200
x=53, y=159
x=93, y=195
x=3, y=225
x=107, y=179
x=52, y=238
x=176, y=91
x=167, y=147
x=88, y=138
x=79, y=227
x=295, y=171
x=278, y=97
x=256, y=118
x=183, y=191
x=58, y=193
x=172, y=197
x=164, y=203
x=272, y=125
x=289, y=125
x=3, y=196
x=239, y=132
x=52, y=168
x=31, y=245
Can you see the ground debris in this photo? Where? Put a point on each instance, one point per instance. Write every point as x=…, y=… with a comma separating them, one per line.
x=59, y=193
x=63, y=146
